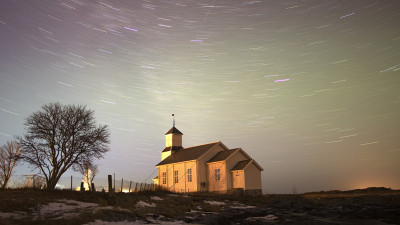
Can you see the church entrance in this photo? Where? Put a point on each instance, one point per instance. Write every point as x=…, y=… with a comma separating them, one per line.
x=238, y=179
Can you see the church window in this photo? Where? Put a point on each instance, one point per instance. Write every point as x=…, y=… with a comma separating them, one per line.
x=164, y=177
x=189, y=172
x=176, y=179
x=217, y=174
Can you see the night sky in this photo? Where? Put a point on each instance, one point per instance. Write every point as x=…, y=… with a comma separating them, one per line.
x=310, y=89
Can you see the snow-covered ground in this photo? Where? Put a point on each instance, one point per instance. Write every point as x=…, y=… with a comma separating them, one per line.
x=63, y=208
x=168, y=209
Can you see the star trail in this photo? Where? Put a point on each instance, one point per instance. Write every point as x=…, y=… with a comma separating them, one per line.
x=310, y=89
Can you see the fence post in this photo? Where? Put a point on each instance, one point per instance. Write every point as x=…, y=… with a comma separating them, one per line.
x=93, y=189
x=71, y=182
x=114, y=182
x=136, y=187
x=110, y=189
x=130, y=184
x=82, y=188
x=122, y=183
x=140, y=189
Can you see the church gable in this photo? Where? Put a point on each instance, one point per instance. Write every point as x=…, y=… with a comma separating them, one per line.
x=238, y=155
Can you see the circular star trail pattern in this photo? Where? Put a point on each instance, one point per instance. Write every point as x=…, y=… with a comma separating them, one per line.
x=310, y=89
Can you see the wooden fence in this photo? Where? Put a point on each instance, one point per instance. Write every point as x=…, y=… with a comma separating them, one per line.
x=75, y=183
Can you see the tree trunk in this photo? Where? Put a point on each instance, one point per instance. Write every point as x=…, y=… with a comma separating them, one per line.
x=51, y=184
x=3, y=186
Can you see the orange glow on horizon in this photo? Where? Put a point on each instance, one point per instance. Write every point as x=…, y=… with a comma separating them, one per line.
x=371, y=182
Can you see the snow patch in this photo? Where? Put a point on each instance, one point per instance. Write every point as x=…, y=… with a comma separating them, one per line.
x=243, y=207
x=156, y=198
x=65, y=205
x=268, y=218
x=63, y=208
x=145, y=204
x=215, y=202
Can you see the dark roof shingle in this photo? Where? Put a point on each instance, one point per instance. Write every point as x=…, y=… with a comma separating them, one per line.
x=173, y=148
x=173, y=130
x=186, y=154
x=220, y=156
x=241, y=165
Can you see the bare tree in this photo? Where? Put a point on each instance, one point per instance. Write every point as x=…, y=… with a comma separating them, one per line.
x=60, y=136
x=10, y=155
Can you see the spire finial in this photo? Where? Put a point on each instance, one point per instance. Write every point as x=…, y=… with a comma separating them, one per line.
x=173, y=122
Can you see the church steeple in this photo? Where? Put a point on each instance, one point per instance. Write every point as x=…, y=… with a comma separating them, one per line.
x=173, y=141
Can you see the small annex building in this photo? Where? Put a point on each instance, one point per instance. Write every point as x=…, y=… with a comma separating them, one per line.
x=209, y=167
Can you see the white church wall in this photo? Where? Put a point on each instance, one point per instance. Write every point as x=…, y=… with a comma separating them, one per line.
x=252, y=177
x=217, y=182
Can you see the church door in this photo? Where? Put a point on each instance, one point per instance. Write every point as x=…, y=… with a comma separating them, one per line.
x=238, y=179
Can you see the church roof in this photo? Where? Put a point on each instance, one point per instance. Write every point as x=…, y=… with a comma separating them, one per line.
x=173, y=130
x=220, y=156
x=187, y=154
x=241, y=165
x=173, y=148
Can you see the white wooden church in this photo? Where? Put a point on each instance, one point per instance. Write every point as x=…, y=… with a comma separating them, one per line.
x=209, y=167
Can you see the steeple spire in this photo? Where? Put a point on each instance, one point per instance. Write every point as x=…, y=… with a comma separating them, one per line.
x=173, y=140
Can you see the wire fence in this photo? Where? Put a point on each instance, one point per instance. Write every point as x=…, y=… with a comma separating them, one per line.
x=75, y=183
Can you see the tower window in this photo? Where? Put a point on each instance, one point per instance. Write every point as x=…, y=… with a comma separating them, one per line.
x=176, y=178
x=217, y=174
x=164, y=178
x=189, y=173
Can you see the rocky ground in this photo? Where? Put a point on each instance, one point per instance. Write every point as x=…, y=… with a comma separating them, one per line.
x=368, y=206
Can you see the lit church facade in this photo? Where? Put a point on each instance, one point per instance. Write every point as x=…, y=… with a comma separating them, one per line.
x=209, y=167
